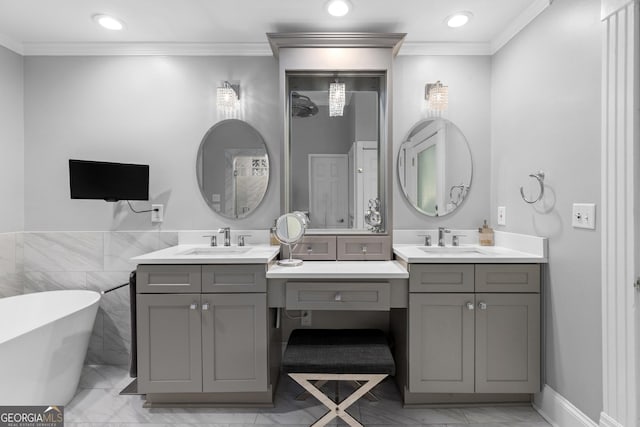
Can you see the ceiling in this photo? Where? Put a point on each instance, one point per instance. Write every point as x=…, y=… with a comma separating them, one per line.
x=37, y=27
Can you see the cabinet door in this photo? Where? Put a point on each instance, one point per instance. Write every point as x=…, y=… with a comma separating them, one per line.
x=234, y=342
x=169, y=351
x=441, y=343
x=508, y=343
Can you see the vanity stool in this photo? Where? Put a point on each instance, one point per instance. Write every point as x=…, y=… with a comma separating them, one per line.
x=322, y=355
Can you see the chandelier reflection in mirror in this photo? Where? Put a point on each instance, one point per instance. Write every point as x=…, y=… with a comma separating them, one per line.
x=336, y=99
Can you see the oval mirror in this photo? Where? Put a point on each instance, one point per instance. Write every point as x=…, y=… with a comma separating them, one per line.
x=435, y=167
x=233, y=168
x=289, y=231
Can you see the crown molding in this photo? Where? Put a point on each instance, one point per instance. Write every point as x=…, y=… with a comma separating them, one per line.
x=521, y=21
x=146, y=49
x=444, y=48
x=11, y=44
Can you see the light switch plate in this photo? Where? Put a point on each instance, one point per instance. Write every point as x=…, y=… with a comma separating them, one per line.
x=502, y=215
x=584, y=215
x=157, y=213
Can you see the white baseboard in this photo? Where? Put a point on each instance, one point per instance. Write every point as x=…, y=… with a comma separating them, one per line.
x=558, y=411
x=607, y=421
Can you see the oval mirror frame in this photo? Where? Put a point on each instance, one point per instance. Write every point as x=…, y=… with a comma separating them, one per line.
x=233, y=157
x=442, y=184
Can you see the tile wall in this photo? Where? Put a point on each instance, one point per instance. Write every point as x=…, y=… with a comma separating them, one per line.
x=43, y=261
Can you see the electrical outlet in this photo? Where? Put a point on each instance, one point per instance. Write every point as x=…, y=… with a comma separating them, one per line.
x=584, y=215
x=305, y=318
x=157, y=213
x=502, y=215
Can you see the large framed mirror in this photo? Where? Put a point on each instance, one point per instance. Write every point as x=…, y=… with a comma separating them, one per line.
x=435, y=167
x=232, y=168
x=335, y=161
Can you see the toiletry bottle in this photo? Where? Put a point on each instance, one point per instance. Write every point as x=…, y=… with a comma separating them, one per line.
x=273, y=240
x=485, y=235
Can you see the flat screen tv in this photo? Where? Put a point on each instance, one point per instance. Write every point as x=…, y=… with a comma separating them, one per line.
x=108, y=181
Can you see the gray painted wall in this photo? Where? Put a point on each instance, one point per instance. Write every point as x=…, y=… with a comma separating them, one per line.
x=11, y=141
x=152, y=110
x=546, y=115
x=469, y=81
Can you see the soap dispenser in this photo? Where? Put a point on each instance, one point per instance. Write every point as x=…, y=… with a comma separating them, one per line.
x=485, y=235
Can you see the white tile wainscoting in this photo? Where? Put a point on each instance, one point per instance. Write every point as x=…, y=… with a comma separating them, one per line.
x=45, y=261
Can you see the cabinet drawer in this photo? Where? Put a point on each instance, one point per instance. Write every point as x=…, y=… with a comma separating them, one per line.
x=338, y=296
x=314, y=248
x=234, y=278
x=364, y=248
x=508, y=278
x=162, y=279
x=441, y=278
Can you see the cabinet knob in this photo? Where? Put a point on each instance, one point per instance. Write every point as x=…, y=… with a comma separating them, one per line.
x=309, y=249
x=469, y=306
x=338, y=296
x=364, y=249
x=193, y=306
x=482, y=305
x=205, y=306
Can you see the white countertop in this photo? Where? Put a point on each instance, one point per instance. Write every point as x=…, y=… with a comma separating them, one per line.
x=183, y=254
x=340, y=270
x=475, y=254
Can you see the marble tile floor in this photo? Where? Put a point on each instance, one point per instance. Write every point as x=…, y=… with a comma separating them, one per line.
x=98, y=403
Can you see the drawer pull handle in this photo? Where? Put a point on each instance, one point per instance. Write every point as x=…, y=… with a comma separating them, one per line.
x=338, y=296
x=469, y=306
x=193, y=306
x=205, y=306
x=482, y=305
x=309, y=249
x=364, y=249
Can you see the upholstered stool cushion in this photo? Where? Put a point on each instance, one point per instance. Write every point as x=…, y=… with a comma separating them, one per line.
x=339, y=351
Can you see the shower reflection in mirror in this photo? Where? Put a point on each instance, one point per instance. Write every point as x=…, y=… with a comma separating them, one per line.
x=328, y=150
x=233, y=168
x=435, y=167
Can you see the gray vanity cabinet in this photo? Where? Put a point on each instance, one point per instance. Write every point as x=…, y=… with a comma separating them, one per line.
x=461, y=342
x=205, y=342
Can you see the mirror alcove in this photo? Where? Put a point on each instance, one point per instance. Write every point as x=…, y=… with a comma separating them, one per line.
x=337, y=169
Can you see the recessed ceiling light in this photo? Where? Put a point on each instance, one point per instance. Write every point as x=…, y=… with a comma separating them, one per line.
x=338, y=7
x=458, y=19
x=108, y=22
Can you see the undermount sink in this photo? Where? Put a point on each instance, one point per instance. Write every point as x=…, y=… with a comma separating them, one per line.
x=217, y=250
x=452, y=250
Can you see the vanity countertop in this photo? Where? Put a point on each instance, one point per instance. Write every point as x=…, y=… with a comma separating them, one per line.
x=202, y=254
x=475, y=254
x=340, y=270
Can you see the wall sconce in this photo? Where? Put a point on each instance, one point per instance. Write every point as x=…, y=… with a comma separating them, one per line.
x=336, y=99
x=437, y=96
x=228, y=97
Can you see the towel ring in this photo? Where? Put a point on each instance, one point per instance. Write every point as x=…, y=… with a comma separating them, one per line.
x=540, y=177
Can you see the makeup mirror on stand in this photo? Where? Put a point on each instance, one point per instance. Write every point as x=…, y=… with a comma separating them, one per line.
x=289, y=231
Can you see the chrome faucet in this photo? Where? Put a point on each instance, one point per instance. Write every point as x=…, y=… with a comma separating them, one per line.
x=441, y=231
x=227, y=235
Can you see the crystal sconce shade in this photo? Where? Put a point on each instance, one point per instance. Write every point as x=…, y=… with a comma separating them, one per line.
x=336, y=99
x=227, y=97
x=437, y=96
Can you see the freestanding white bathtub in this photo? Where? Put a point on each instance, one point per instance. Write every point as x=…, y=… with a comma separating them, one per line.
x=43, y=343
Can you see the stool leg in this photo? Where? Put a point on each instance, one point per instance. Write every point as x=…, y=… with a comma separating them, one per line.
x=305, y=394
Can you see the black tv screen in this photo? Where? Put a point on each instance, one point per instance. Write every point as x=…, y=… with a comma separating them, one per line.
x=108, y=181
